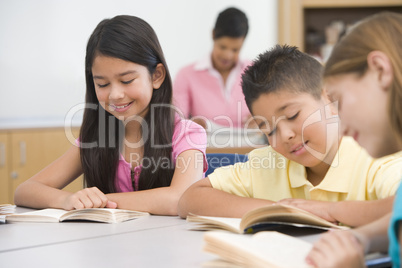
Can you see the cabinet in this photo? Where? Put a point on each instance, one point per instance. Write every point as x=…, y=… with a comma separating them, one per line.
x=25, y=152
x=4, y=181
x=302, y=23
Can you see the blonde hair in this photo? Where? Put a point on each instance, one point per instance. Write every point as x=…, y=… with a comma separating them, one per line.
x=380, y=32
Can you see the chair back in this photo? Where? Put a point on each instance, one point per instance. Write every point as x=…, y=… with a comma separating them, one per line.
x=220, y=160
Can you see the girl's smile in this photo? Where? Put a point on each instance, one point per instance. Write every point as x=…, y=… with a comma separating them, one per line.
x=123, y=88
x=121, y=108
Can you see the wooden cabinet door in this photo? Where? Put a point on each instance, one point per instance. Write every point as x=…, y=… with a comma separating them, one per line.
x=32, y=150
x=294, y=16
x=4, y=174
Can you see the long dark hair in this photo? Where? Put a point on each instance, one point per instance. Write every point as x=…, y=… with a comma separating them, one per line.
x=132, y=39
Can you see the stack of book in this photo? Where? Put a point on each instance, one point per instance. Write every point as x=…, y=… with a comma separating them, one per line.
x=6, y=209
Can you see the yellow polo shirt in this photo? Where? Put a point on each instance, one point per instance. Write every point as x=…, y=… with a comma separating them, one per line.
x=269, y=175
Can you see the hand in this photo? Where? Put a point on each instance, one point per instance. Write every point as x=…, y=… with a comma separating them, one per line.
x=337, y=249
x=88, y=198
x=318, y=208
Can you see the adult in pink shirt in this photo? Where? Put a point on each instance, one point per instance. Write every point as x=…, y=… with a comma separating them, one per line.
x=210, y=89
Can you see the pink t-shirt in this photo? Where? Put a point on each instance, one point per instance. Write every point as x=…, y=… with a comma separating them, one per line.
x=199, y=90
x=187, y=135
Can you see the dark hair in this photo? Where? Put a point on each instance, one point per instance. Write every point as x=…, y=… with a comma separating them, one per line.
x=231, y=22
x=131, y=39
x=282, y=68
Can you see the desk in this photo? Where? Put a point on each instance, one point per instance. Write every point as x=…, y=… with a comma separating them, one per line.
x=153, y=241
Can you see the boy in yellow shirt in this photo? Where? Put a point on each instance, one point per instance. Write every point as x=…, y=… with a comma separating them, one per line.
x=306, y=159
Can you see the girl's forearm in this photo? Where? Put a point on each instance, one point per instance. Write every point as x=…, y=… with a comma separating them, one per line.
x=203, y=201
x=374, y=236
x=159, y=201
x=37, y=195
x=358, y=213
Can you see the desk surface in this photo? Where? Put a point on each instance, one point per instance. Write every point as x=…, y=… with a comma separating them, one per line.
x=153, y=241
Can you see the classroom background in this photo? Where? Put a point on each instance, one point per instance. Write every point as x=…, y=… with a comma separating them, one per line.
x=42, y=46
x=42, y=50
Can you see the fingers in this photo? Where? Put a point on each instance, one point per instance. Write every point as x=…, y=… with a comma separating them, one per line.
x=318, y=208
x=111, y=204
x=318, y=256
x=337, y=249
x=89, y=198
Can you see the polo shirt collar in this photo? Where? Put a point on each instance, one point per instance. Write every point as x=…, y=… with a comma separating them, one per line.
x=301, y=178
x=331, y=182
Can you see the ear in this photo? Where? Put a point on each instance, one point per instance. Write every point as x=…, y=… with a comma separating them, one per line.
x=331, y=107
x=158, y=76
x=380, y=63
x=213, y=34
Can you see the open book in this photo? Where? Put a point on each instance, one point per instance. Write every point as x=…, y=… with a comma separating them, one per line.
x=264, y=249
x=269, y=217
x=267, y=249
x=106, y=215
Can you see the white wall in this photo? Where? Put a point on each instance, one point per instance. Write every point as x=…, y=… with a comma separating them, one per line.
x=42, y=44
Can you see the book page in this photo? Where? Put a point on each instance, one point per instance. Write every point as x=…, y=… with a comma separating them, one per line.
x=284, y=213
x=107, y=215
x=49, y=212
x=92, y=214
x=264, y=249
x=215, y=223
x=43, y=215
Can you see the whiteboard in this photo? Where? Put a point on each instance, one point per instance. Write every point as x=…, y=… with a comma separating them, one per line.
x=42, y=45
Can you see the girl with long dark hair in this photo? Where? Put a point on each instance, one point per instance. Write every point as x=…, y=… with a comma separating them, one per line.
x=135, y=152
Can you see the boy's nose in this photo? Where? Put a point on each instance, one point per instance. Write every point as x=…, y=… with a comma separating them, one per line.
x=287, y=133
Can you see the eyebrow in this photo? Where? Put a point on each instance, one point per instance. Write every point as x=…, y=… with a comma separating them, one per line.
x=280, y=109
x=263, y=122
x=121, y=74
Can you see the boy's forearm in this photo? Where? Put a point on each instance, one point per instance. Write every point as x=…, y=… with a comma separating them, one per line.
x=358, y=213
x=208, y=201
